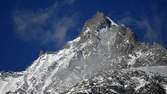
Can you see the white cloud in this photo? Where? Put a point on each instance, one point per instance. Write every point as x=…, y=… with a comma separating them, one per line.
x=150, y=28
x=153, y=30
x=45, y=26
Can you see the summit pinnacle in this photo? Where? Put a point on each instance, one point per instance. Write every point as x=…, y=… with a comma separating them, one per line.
x=99, y=21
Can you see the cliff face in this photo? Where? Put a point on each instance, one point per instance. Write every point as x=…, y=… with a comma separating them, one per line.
x=105, y=59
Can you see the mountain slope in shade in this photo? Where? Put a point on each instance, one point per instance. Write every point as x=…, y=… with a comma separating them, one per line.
x=105, y=59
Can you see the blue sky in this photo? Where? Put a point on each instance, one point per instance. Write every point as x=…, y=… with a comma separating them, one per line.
x=28, y=26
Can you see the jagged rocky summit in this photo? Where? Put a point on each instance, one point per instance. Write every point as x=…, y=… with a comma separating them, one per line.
x=105, y=59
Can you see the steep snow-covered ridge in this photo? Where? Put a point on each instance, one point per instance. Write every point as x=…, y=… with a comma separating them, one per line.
x=10, y=81
x=103, y=46
x=112, y=22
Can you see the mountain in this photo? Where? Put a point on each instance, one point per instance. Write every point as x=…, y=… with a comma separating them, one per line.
x=105, y=58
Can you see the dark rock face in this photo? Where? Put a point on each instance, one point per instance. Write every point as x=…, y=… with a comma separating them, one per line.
x=98, y=21
x=152, y=88
x=121, y=82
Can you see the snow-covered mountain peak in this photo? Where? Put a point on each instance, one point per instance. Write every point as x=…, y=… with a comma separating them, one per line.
x=104, y=54
x=98, y=21
x=101, y=27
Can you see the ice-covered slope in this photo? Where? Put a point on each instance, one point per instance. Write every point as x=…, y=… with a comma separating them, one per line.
x=10, y=81
x=102, y=46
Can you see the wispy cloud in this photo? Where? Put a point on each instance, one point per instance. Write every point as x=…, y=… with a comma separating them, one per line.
x=153, y=29
x=150, y=27
x=45, y=26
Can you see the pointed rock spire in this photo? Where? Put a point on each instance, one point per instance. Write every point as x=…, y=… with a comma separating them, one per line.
x=99, y=20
